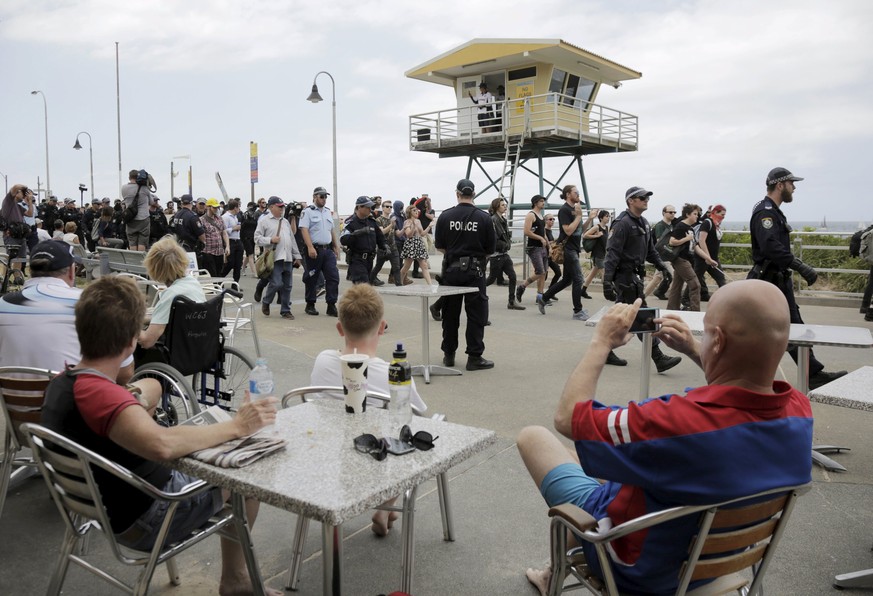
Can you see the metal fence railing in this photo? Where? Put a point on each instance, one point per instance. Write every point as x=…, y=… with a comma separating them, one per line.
x=549, y=111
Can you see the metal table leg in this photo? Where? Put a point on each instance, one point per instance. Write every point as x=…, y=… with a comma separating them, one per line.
x=445, y=507
x=645, y=365
x=427, y=369
x=803, y=386
x=238, y=504
x=332, y=559
x=407, y=560
x=803, y=369
x=297, y=552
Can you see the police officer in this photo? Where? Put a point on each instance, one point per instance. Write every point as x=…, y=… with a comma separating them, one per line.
x=773, y=261
x=49, y=213
x=361, y=237
x=158, y=227
x=630, y=245
x=465, y=236
x=187, y=227
x=71, y=213
x=88, y=218
x=322, y=251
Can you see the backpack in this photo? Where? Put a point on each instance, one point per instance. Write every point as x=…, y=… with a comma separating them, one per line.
x=855, y=242
x=664, y=250
x=866, y=251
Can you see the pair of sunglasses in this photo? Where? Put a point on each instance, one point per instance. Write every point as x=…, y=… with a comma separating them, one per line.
x=422, y=440
x=367, y=443
x=378, y=448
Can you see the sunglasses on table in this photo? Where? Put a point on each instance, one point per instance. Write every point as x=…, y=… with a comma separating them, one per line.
x=378, y=448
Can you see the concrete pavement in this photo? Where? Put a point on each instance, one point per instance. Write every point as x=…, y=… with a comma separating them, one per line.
x=500, y=519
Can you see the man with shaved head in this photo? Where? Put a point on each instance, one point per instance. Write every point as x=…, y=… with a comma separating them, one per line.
x=740, y=434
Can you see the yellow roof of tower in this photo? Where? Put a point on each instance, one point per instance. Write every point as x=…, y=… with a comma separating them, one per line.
x=480, y=56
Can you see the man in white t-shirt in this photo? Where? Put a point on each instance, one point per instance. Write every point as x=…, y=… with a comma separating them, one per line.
x=38, y=324
x=361, y=325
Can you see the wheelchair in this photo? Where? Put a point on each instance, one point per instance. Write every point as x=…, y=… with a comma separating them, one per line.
x=193, y=346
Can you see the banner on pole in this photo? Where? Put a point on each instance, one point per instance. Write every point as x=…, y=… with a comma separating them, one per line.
x=253, y=161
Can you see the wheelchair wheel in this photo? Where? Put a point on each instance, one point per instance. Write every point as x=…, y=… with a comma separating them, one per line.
x=228, y=389
x=178, y=399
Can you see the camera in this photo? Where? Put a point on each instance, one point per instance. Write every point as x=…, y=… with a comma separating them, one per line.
x=83, y=188
x=644, y=322
x=293, y=209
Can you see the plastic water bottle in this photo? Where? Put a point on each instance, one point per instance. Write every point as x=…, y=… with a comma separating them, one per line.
x=400, y=386
x=261, y=386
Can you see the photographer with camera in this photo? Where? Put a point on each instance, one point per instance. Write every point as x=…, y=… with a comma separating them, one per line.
x=137, y=196
x=17, y=204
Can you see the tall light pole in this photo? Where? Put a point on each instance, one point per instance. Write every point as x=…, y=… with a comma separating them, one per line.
x=90, y=157
x=6, y=180
x=48, y=180
x=314, y=97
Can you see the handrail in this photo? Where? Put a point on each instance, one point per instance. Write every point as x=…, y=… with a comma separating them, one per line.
x=512, y=117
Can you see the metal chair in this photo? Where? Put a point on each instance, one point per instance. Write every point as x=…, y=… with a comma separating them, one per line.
x=236, y=315
x=68, y=470
x=22, y=391
x=732, y=536
x=303, y=522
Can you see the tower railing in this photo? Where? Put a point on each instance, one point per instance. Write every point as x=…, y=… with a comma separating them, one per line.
x=554, y=113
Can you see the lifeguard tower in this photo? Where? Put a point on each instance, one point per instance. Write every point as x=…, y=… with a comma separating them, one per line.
x=547, y=109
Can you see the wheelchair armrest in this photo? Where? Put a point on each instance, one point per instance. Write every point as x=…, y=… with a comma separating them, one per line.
x=578, y=519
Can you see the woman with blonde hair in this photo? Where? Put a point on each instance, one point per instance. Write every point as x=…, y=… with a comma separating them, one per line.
x=414, y=248
x=70, y=235
x=167, y=263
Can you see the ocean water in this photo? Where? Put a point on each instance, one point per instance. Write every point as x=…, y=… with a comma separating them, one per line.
x=832, y=226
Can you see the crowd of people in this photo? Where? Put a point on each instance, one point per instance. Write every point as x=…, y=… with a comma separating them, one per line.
x=93, y=334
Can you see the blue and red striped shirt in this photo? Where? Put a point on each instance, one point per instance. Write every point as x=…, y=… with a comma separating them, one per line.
x=714, y=444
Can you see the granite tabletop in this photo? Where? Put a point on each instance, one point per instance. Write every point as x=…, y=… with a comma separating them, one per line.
x=425, y=290
x=693, y=319
x=802, y=334
x=850, y=391
x=320, y=474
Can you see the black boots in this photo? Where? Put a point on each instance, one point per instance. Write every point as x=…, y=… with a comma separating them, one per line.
x=662, y=361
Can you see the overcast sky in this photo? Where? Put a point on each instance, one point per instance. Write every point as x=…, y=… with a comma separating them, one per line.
x=729, y=90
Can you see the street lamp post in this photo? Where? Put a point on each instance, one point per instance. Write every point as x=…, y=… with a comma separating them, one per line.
x=90, y=157
x=6, y=180
x=48, y=180
x=314, y=97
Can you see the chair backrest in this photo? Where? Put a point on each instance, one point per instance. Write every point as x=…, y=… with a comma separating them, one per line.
x=732, y=536
x=22, y=393
x=66, y=467
x=193, y=337
x=307, y=394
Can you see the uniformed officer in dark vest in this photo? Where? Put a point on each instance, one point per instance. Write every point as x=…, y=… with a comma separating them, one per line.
x=361, y=237
x=71, y=213
x=773, y=260
x=187, y=227
x=465, y=236
x=88, y=218
x=631, y=243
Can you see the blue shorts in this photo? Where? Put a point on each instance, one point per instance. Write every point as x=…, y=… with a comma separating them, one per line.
x=568, y=483
x=190, y=515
